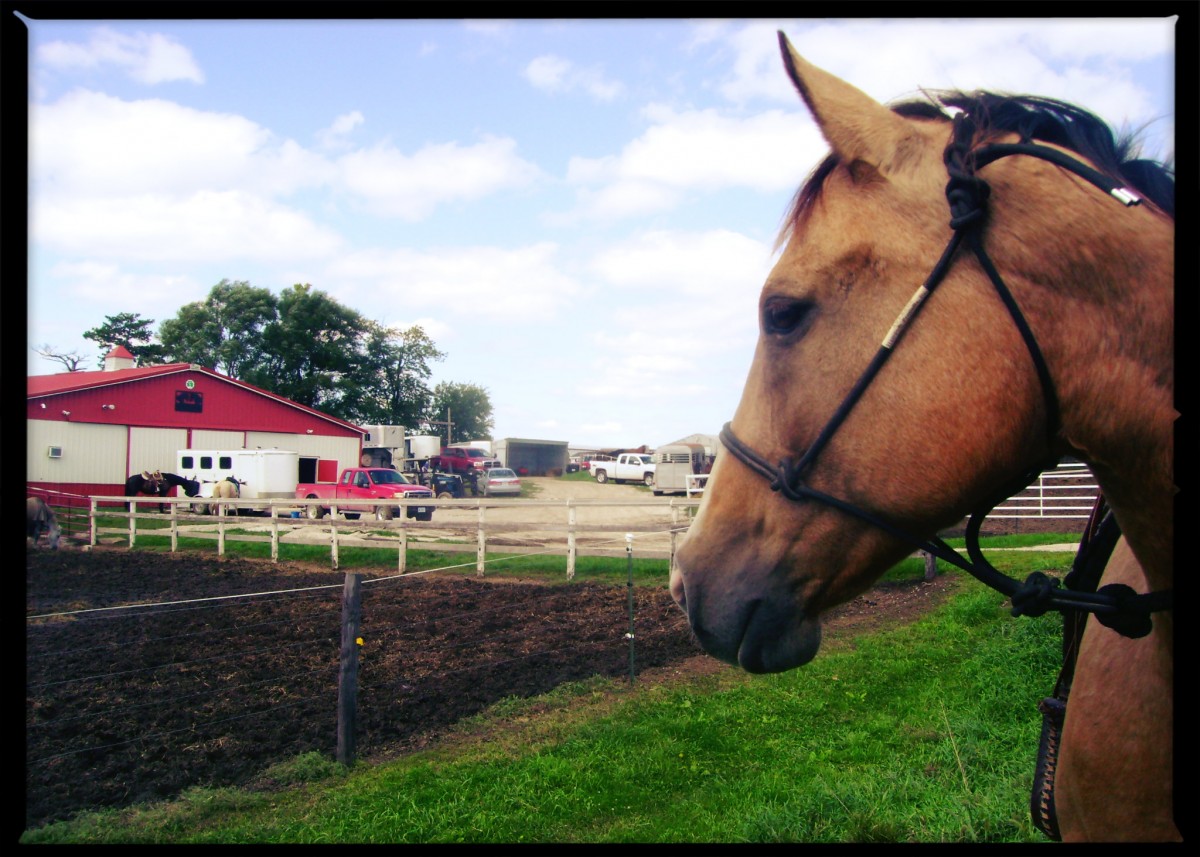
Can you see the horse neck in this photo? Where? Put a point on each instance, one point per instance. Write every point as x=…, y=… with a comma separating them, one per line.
x=1115, y=379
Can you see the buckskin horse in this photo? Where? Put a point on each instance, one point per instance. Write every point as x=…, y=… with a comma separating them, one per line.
x=1041, y=325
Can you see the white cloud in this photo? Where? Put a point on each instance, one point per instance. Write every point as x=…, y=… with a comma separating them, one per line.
x=553, y=74
x=410, y=187
x=148, y=58
x=480, y=283
x=335, y=136
x=697, y=150
x=201, y=227
x=89, y=143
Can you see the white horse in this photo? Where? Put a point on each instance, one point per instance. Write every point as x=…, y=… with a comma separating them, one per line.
x=39, y=518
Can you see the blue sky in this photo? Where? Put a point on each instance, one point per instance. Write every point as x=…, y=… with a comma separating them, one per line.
x=580, y=213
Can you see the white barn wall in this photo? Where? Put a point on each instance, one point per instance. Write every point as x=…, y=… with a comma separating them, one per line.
x=213, y=439
x=154, y=448
x=91, y=452
x=344, y=450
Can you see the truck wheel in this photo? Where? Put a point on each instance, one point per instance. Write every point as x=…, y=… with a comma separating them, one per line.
x=384, y=513
x=315, y=512
x=648, y=479
x=445, y=495
x=601, y=476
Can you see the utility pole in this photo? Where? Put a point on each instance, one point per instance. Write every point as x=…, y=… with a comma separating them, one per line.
x=447, y=423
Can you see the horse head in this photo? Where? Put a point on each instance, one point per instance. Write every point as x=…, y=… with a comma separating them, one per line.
x=959, y=410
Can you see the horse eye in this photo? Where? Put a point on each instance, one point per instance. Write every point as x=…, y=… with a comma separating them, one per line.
x=784, y=315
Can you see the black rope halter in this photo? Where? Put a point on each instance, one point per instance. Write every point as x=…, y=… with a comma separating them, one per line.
x=1116, y=606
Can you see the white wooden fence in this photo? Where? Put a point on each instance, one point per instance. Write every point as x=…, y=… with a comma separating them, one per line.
x=1067, y=492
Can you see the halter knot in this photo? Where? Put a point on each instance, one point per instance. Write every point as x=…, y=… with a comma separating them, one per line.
x=785, y=477
x=966, y=193
x=1035, y=596
x=1128, y=619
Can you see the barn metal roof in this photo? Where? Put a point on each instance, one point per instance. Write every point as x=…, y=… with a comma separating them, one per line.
x=43, y=386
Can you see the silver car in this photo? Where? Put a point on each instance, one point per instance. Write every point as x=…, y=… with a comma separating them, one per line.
x=499, y=481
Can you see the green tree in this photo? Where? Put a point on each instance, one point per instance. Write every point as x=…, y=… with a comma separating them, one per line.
x=224, y=331
x=469, y=407
x=390, y=385
x=310, y=350
x=132, y=331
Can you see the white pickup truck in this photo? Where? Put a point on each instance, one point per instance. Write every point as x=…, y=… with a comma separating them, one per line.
x=628, y=467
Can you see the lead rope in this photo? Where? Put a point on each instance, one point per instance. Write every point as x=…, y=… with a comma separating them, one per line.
x=1096, y=545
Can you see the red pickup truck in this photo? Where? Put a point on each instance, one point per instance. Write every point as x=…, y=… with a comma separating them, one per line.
x=463, y=460
x=361, y=489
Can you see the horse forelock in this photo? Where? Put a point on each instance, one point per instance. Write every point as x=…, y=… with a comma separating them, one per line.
x=1033, y=118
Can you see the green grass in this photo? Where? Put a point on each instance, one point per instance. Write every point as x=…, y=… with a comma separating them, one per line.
x=924, y=733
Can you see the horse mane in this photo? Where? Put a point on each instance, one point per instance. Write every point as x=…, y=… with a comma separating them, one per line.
x=1032, y=117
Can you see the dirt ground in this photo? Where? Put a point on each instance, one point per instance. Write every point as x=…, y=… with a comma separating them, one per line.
x=125, y=706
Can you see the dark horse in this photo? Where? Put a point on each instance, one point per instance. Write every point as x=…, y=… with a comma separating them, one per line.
x=159, y=484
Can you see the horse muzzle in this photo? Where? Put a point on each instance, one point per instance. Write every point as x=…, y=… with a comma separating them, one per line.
x=769, y=632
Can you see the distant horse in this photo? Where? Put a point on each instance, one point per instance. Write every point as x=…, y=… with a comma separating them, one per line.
x=226, y=489
x=844, y=454
x=40, y=518
x=159, y=484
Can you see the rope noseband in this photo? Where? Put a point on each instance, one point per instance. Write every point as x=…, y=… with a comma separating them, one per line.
x=1116, y=606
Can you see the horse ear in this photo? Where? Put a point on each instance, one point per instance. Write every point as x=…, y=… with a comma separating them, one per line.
x=868, y=137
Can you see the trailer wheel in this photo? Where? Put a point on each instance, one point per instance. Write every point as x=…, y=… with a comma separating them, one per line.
x=648, y=479
x=601, y=476
x=315, y=512
x=445, y=495
x=384, y=513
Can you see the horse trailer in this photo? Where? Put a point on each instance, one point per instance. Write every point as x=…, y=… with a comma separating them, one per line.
x=674, y=464
x=261, y=474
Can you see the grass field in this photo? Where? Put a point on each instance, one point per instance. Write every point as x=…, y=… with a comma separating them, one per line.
x=923, y=733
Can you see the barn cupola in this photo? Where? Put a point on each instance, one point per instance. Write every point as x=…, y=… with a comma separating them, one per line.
x=119, y=358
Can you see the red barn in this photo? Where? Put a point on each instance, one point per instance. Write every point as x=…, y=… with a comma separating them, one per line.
x=86, y=432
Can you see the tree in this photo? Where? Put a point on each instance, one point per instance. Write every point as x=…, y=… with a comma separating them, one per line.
x=224, y=331
x=470, y=410
x=389, y=386
x=69, y=359
x=310, y=349
x=132, y=331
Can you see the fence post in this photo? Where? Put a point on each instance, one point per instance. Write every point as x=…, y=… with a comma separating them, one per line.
x=402, y=562
x=221, y=510
x=570, y=538
x=93, y=511
x=333, y=536
x=174, y=527
x=274, y=532
x=481, y=552
x=629, y=587
x=132, y=522
x=930, y=565
x=348, y=670
x=674, y=533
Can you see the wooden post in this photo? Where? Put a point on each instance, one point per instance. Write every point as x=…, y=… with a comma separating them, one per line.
x=333, y=539
x=93, y=512
x=402, y=562
x=221, y=509
x=274, y=532
x=348, y=669
x=930, y=565
x=481, y=551
x=570, y=539
x=174, y=527
x=132, y=522
x=674, y=532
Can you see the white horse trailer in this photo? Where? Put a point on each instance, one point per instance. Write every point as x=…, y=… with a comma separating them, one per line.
x=673, y=464
x=261, y=474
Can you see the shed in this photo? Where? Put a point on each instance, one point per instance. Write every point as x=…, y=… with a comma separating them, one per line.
x=86, y=432
x=533, y=457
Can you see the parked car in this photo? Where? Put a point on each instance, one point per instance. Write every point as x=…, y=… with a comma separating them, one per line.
x=462, y=460
x=499, y=481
